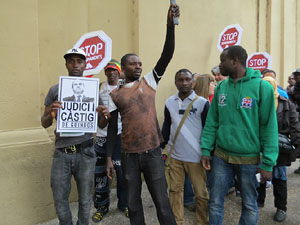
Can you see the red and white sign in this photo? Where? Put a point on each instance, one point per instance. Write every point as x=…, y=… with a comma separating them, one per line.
x=231, y=35
x=97, y=48
x=259, y=61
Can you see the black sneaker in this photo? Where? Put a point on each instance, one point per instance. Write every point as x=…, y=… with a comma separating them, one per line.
x=280, y=215
x=260, y=204
x=125, y=211
x=238, y=194
x=230, y=191
x=98, y=216
x=297, y=171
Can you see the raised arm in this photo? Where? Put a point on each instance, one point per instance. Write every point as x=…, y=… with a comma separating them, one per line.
x=169, y=45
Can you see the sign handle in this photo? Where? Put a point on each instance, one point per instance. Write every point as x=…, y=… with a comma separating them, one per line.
x=175, y=19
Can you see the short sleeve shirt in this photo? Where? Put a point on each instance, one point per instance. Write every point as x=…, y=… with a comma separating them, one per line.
x=136, y=103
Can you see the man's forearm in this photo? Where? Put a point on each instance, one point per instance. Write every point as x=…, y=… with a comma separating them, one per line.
x=46, y=119
x=112, y=132
x=166, y=128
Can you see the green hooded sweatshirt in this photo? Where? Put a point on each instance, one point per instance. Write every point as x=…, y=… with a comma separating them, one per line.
x=242, y=120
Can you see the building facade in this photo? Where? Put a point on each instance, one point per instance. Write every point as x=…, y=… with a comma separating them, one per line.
x=35, y=34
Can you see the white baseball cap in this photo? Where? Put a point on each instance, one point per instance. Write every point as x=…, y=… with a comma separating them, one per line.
x=75, y=51
x=296, y=71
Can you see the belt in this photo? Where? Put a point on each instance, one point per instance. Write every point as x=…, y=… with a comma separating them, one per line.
x=72, y=149
x=145, y=152
x=137, y=153
x=141, y=153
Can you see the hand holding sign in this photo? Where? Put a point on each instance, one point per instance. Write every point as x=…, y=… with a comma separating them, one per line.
x=54, y=108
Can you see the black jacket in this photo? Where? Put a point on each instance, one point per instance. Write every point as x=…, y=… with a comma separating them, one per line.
x=288, y=124
x=295, y=94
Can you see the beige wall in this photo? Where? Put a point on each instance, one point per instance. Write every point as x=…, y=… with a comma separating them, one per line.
x=197, y=36
x=34, y=36
x=36, y=33
x=20, y=65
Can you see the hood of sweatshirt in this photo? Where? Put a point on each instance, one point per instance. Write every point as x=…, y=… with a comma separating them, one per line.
x=250, y=74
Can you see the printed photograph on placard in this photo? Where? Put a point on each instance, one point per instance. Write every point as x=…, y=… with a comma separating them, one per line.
x=79, y=97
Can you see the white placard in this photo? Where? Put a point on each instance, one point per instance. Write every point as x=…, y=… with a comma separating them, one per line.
x=79, y=97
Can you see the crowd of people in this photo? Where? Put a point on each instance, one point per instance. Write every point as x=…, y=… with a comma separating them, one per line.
x=221, y=130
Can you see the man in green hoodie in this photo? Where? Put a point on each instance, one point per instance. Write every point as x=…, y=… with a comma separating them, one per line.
x=241, y=126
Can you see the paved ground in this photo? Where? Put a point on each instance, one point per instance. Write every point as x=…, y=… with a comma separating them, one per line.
x=232, y=208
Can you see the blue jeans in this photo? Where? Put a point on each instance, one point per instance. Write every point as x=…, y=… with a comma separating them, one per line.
x=81, y=166
x=152, y=166
x=101, y=197
x=188, y=192
x=222, y=174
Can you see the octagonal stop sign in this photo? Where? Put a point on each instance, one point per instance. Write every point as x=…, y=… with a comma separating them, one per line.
x=97, y=48
x=231, y=35
x=259, y=61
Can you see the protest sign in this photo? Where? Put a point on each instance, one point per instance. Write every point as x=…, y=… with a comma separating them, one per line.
x=79, y=97
x=97, y=48
x=259, y=61
x=231, y=35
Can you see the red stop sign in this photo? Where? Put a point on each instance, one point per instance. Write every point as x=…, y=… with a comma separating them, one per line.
x=230, y=36
x=97, y=48
x=259, y=61
x=94, y=49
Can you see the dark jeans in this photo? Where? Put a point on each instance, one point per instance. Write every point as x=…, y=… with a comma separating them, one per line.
x=152, y=166
x=188, y=192
x=101, y=197
x=261, y=190
x=81, y=166
x=279, y=192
